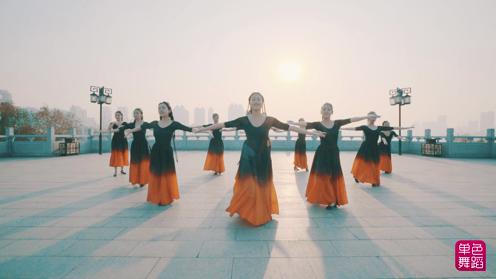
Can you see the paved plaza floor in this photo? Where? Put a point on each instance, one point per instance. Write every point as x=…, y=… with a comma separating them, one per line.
x=67, y=217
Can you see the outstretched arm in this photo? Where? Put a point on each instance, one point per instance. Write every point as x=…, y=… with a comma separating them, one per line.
x=307, y=132
x=283, y=126
x=219, y=125
x=143, y=126
x=236, y=123
x=304, y=124
x=276, y=130
x=135, y=129
x=180, y=126
x=359, y=118
x=403, y=128
x=290, y=122
x=196, y=129
x=111, y=129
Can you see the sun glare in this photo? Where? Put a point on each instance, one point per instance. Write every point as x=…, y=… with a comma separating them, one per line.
x=289, y=71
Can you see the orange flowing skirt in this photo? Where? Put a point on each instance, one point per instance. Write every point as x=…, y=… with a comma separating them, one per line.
x=214, y=162
x=385, y=163
x=119, y=158
x=326, y=189
x=300, y=160
x=163, y=188
x=139, y=172
x=253, y=202
x=366, y=171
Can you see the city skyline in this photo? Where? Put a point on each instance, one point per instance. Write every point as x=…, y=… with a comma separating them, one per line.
x=474, y=125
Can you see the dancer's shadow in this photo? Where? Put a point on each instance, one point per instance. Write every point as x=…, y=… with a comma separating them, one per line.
x=418, y=185
x=35, y=194
x=226, y=247
x=443, y=231
x=77, y=249
x=19, y=225
x=341, y=251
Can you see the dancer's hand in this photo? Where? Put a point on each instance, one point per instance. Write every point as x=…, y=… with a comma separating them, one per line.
x=404, y=128
x=319, y=134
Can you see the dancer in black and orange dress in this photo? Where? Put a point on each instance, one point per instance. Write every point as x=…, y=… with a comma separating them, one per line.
x=254, y=196
x=215, y=155
x=119, y=155
x=326, y=183
x=140, y=151
x=300, y=153
x=366, y=164
x=385, y=163
x=162, y=183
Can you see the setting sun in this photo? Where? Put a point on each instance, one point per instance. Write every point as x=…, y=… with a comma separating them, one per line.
x=289, y=71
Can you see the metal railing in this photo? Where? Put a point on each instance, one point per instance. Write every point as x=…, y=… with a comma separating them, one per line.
x=47, y=144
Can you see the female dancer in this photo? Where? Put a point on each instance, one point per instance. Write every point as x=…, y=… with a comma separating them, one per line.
x=366, y=165
x=300, y=153
x=254, y=196
x=162, y=184
x=140, y=151
x=326, y=183
x=119, y=156
x=215, y=155
x=386, y=137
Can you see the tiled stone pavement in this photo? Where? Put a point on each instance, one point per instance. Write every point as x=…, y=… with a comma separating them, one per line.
x=67, y=217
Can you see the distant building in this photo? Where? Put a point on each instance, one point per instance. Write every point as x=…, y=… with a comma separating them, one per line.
x=181, y=114
x=438, y=127
x=107, y=116
x=91, y=123
x=235, y=111
x=487, y=120
x=79, y=113
x=82, y=116
x=443, y=121
x=473, y=127
x=199, y=116
x=5, y=97
x=209, y=114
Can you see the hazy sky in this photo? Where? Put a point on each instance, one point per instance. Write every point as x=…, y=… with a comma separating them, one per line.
x=213, y=53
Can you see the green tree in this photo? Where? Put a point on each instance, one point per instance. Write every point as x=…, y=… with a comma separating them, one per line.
x=25, y=121
x=7, y=116
x=60, y=120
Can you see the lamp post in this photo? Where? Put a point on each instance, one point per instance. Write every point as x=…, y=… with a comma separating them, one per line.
x=104, y=96
x=400, y=97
